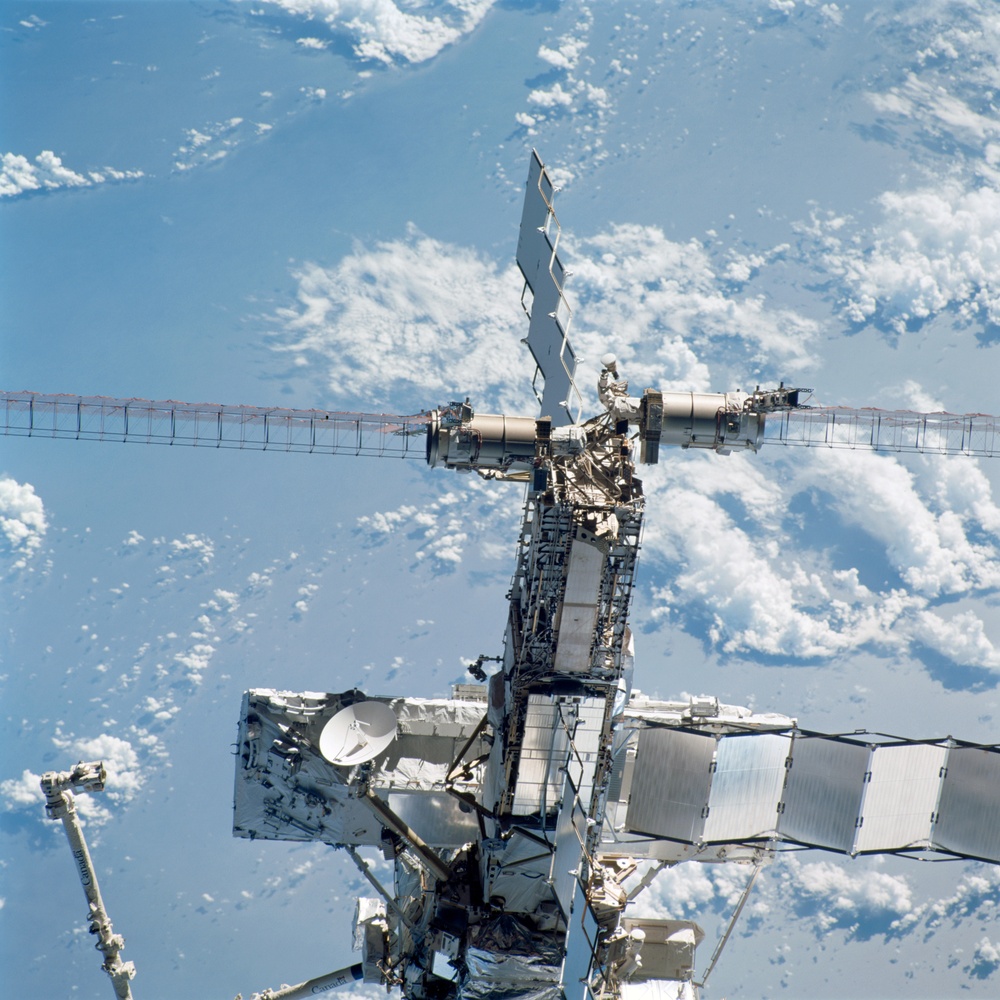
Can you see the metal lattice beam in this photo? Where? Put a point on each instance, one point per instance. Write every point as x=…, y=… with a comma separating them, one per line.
x=211, y=425
x=973, y=434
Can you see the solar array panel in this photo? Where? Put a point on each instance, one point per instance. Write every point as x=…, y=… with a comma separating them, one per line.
x=844, y=794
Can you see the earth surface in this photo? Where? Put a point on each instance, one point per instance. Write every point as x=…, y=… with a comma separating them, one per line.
x=314, y=203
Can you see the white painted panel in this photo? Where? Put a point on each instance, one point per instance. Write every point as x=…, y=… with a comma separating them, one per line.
x=901, y=797
x=746, y=787
x=578, y=617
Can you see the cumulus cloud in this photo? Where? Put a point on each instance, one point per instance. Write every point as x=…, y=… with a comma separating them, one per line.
x=855, y=896
x=570, y=94
x=985, y=959
x=686, y=889
x=214, y=141
x=408, y=323
x=196, y=547
x=935, y=248
x=416, y=313
x=565, y=54
x=932, y=549
x=388, y=32
x=22, y=522
x=23, y=792
x=976, y=895
x=195, y=661
x=935, y=245
x=663, y=304
x=752, y=592
x=845, y=897
x=187, y=555
x=717, y=532
x=444, y=527
x=21, y=176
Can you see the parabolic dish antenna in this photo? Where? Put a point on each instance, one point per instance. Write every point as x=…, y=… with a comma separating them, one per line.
x=358, y=733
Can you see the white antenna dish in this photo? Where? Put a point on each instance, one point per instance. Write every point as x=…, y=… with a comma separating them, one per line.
x=358, y=733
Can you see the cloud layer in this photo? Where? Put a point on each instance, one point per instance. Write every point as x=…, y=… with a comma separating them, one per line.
x=383, y=31
x=404, y=323
x=21, y=176
x=934, y=246
x=22, y=523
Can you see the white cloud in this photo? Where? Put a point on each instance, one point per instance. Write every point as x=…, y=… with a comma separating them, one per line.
x=565, y=54
x=571, y=95
x=976, y=895
x=214, y=141
x=551, y=97
x=843, y=893
x=23, y=792
x=19, y=175
x=756, y=593
x=444, y=527
x=660, y=305
x=191, y=546
x=388, y=32
x=931, y=549
x=985, y=959
x=935, y=248
x=195, y=660
x=417, y=320
x=758, y=588
x=409, y=323
x=305, y=594
x=961, y=638
x=22, y=522
x=690, y=888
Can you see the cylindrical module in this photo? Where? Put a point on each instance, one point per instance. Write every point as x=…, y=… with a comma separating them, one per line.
x=714, y=420
x=482, y=441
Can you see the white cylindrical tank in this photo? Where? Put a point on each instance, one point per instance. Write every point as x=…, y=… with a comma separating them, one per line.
x=713, y=420
x=482, y=441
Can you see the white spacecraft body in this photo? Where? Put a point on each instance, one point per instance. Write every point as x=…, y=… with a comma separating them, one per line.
x=420, y=799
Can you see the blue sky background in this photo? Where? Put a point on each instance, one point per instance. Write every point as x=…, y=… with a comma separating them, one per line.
x=316, y=204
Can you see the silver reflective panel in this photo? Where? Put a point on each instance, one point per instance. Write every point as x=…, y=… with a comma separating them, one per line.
x=437, y=817
x=969, y=810
x=823, y=792
x=571, y=834
x=578, y=614
x=746, y=787
x=670, y=784
x=581, y=944
x=830, y=792
x=901, y=797
x=548, y=312
x=585, y=747
x=543, y=754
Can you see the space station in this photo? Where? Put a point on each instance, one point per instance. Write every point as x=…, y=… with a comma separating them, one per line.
x=522, y=817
